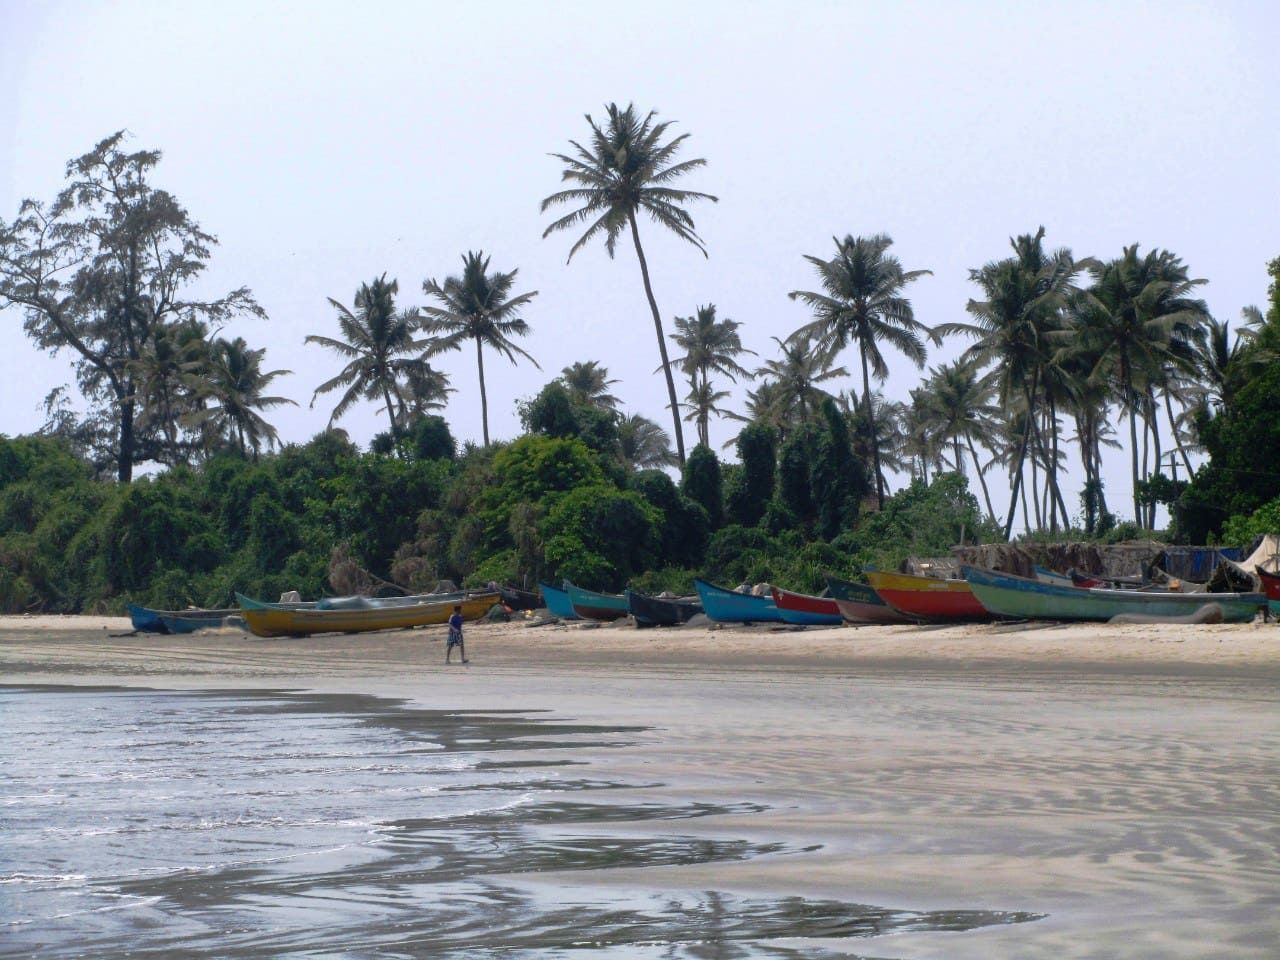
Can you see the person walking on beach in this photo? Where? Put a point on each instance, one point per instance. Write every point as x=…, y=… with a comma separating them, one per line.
x=455, y=636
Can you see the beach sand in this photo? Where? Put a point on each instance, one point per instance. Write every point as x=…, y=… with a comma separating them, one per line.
x=1124, y=782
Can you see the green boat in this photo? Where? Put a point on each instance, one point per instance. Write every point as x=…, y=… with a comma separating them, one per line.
x=590, y=605
x=1025, y=599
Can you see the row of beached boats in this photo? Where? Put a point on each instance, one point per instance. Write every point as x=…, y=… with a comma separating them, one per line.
x=887, y=598
x=979, y=595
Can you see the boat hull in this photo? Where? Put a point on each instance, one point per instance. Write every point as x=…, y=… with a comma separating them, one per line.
x=659, y=611
x=1009, y=596
x=146, y=620
x=928, y=598
x=727, y=606
x=277, y=622
x=803, y=610
x=858, y=603
x=596, y=606
x=1271, y=588
x=557, y=602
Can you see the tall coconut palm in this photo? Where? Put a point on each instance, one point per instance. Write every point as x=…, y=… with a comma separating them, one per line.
x=477, y=306
x=1139, y=314
x=765, y=405
x=165, y=393
x=960, y=395
x=891, y=438
x=861, y=302
x=701, y=401
x=709, y=345
x=375, y=337
x=625, y=169
x=423, y=390
x=1024, y=300
x=795, y=377
x=644, y=445
x=231, y=383
x=589, y=383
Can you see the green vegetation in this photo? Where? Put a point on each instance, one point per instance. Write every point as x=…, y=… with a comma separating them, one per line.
x=102, y=271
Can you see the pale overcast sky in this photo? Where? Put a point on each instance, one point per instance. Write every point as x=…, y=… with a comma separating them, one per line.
x=327, y=143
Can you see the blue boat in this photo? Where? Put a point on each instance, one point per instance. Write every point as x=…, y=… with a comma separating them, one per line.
x=557, y=601
x=146, y=620
x=728, y=606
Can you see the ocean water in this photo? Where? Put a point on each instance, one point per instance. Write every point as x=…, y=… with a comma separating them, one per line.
x=270, y=824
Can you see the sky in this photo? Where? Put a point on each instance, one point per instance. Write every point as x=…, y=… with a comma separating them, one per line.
x=326, y=144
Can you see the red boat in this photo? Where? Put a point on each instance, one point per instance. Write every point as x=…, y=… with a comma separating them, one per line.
x=928, y=598
x=804, y=610
x=1271, y=587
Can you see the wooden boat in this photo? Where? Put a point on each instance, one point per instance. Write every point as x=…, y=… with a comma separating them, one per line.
x=804, y=610
x=927, y=598
x=1271, y=588
x=557, y=602
x=660, y=611
x=729, y=606
x=146, y=620
x=266, y=620
x=1009, y=596
x=596, y=606
x=1045, y=575
x=858, y=603
x=517, y=599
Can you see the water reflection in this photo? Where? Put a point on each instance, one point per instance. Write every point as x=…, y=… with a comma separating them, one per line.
x=263, y=824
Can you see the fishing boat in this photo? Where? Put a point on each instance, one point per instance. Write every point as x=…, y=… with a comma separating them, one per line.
x=927, y=598
x=804, y=610
x=1007, y=595
x=267, y=620
x=660, y=611
x=557, y=602
x=1271, y=588
x=590, y=605
x=1045, y=575
x=729, y=606
x=516, y=599
x=146, y=620
x=859, y=604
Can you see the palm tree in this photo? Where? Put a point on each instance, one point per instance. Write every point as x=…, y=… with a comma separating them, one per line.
x=375, y=338
x=891, y=440
x=709, y=345
x=795, y=376
x=231, y=382
x=1024, y=299
x=589, y=383
x=478, y=306
x=861, y=302
x=643, y=443
x=626, y=169
x=701, y=401
x=765, y=405
x=164, y=392
x=960, y=396
x=1140, y=317
x=423, y=390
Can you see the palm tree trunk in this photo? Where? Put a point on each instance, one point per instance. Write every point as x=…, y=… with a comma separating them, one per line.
x=662, y=340
x=1177, y=437
x=391, y=412
x=1035, y=492
x=1022, y=455
x=1153, y=422
x=871, y=426
x=977, y=468
x=484, y=398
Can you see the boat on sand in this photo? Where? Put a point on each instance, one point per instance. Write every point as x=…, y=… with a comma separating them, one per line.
x=1010, y=596
x=269, y=621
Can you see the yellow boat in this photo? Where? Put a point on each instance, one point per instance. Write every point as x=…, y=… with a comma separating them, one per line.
x=274, y=621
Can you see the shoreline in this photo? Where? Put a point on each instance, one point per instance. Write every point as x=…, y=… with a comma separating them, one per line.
x=1119, y=781
x=64, y=645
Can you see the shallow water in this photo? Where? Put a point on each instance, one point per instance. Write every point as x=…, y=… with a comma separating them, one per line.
x=265, y=824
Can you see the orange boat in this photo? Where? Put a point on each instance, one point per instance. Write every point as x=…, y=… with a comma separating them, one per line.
x=927, y=598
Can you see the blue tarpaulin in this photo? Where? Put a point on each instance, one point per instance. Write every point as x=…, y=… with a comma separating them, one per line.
x=1196, y=563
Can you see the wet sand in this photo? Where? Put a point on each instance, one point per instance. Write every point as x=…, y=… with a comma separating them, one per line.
x=1124, y=782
